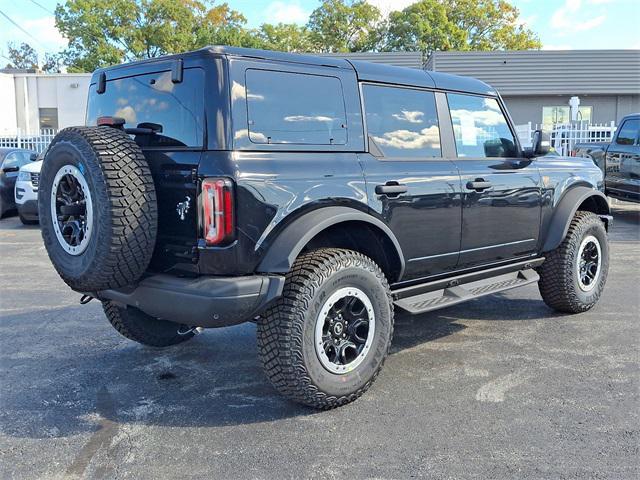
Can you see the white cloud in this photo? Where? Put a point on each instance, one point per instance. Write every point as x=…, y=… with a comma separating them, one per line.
x=573, y=17
x=387, y=6
x=286, y=12
x=45, y=37
x=528, y=22
x=407, y=139
x=411, y=116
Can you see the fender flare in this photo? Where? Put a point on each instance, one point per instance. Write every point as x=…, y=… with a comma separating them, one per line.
x=564, y=212
x=289, y=243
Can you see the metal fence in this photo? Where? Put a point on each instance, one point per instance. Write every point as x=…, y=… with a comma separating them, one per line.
x=36, y=143
x=562, y=137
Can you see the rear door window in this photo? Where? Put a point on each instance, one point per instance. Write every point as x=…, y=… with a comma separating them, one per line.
x=177, y=107
x=295, y=108
x=402, y=122
x=480, y=128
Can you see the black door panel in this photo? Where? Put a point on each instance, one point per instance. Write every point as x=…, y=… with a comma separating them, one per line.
x=501, y=193
x=503, y=220
x=426, y=218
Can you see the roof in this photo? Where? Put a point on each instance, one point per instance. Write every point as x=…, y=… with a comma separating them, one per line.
x=375, y=72
x=547, y=72
x=397, y=59
x=366, y=71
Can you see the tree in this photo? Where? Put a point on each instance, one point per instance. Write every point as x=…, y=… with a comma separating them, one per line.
x=22, y=56
x=106, y=32
x=25, y=56
x=345, y=26
x=431, y=25
x=285, y=37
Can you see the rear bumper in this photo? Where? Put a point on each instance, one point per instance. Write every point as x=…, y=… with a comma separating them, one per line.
x=204, y=301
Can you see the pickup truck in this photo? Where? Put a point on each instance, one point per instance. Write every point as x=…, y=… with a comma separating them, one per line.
x=619, y=160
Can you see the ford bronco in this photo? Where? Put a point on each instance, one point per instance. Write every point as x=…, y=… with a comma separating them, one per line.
x=312, y=196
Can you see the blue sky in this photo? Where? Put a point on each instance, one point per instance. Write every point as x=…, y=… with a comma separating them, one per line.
x=561, y=24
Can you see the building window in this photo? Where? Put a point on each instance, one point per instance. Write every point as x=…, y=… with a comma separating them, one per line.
x=562, y=114
x=49, y=118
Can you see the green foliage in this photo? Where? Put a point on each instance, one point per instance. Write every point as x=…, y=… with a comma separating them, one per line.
x=22, y=56
x=285, y=37
x=106, y=32
x=431, y=25
x=25, y=56
x=342, y=26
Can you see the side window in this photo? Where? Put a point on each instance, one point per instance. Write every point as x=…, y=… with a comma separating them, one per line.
x=402, y=122
x=16, y=159
x=295, y=108
x=628, y=132
x=480, y=128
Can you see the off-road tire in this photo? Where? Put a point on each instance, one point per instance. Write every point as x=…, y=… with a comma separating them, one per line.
x=558, y=283
x=125, y=215
x=142, y=328
x=26, y=221
x=286, y=330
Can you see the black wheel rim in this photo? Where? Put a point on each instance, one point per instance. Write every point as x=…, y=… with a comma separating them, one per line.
x=344, y=330
x=71, y=209
x=589, y=261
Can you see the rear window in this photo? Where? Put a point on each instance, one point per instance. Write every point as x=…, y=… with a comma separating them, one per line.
x=154, y=98
x=295, y=108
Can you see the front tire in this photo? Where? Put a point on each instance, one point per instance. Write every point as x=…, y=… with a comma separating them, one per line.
x=573, y=276
x=145, y=329
x=325, y=340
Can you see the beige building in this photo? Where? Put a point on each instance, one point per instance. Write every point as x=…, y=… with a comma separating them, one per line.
x=34, y=101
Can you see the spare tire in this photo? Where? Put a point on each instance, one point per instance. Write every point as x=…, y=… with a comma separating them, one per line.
x=97, y=207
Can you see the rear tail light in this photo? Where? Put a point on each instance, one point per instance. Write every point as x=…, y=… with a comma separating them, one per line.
x=218, y=225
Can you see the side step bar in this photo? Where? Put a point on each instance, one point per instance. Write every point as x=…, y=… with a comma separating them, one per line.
x=443, y=293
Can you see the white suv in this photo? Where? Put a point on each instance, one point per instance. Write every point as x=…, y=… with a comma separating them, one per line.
x=26, y=192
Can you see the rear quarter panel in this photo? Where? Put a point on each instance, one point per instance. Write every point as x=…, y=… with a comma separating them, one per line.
x=272, y=189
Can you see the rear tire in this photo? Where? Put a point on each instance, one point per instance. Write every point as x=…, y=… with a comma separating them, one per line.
x=573, y=276
x=142, y=328
x=100, y=231
x=307, y=358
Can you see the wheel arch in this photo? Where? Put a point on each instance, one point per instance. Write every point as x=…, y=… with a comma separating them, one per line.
x=340, y=227
x=576, y=198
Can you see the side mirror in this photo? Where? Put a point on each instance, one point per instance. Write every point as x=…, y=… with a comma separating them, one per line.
x=33, y=157
x=537, y=148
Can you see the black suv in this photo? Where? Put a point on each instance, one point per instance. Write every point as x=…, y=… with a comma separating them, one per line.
x=313, y=196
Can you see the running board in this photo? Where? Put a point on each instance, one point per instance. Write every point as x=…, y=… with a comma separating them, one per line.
x=461, y=292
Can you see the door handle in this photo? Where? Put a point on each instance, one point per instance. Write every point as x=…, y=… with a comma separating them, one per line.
x=478, y=185
x=391, y=189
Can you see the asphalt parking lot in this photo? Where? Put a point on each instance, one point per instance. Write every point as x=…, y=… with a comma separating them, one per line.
x=501, y=387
